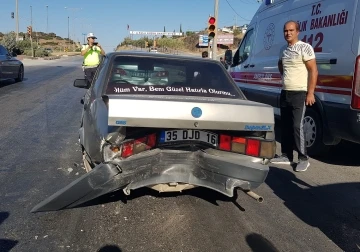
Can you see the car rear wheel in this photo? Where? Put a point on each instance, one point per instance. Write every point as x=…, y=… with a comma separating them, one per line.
x=20, y=77
x=313, y=131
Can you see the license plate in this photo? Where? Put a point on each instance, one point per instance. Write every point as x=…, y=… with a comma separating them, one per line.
x=189, y=135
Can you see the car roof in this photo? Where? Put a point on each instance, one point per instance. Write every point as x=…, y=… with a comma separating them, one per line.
x=158, y=55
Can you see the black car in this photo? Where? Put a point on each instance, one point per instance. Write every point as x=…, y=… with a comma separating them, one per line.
x=10, y=66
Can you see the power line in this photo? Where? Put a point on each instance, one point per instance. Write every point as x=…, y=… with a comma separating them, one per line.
x=236, y=12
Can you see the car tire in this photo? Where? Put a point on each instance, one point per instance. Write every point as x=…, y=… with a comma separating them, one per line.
x=313, y=130
x=20, y=77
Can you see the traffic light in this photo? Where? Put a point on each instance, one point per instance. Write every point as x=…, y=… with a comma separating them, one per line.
x=211, y=27
x=146, y=44
x=29, y=30
x=12, y=15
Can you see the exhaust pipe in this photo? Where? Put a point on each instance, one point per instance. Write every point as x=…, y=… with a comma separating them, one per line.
x=253, y=195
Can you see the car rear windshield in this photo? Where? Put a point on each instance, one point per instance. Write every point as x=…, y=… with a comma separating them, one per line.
x=163, y=76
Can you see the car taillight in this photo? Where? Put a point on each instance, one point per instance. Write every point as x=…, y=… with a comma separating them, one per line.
x=225, y=142
x=355, y=96
x=248, y=146
x=253, y=147
x=136, y=146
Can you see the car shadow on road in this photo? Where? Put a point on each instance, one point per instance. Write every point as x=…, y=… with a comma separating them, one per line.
x=258, y=243
x=6, y=83
x=334, y=209
x=205, y=194
x=110, y=248
x=6, y=244
x=345, y=153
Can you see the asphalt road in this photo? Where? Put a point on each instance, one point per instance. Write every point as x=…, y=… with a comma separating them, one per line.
x=318, y=210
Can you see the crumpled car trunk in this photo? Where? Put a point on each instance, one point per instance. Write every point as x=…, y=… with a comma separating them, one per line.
x=210, y=168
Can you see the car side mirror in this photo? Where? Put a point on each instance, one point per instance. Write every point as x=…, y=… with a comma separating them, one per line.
x=81, y=83
x=228, y=56
x=13, y=54
x=235, y=59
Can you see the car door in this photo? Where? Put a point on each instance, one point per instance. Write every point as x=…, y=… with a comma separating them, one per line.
x=14, y=64
x=9, y=64
x=241, y=62
x=264, y=79
x=6, y=71
x=89, y=117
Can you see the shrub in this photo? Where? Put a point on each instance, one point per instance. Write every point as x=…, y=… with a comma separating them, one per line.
x=38, y=53
x=24, y=45
x=41, y=53
x=9, y=41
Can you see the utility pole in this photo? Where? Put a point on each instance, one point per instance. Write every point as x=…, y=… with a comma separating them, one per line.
x=214, y=45
x=209, y=48
x=68, y=30
x=73, y=23
x=17, y=19
x=31, y=24
x=47, y=19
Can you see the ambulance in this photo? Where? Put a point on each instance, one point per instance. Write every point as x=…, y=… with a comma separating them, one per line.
x=332, y=27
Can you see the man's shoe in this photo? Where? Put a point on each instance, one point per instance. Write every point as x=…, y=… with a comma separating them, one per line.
x=302, y=165
x=281, y=160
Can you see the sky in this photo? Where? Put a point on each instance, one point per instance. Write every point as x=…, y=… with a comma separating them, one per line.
x=108, y=19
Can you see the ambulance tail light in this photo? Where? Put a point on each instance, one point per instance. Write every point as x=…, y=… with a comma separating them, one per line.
x=355, y=96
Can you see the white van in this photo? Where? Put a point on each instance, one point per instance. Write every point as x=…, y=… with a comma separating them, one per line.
x=332, y=27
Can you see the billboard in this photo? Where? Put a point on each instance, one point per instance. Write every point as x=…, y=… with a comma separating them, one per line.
x=203, y=40
x=156, y=33
x=225, y=39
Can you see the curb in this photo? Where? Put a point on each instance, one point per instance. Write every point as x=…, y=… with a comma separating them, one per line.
x=21, y=57
x=51, y=58
x=44, y=58
x=41, y=58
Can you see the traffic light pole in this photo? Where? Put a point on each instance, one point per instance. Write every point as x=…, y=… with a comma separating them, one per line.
x=208, y=49
x=214, y=43
x=31, y=41
x=17, y=20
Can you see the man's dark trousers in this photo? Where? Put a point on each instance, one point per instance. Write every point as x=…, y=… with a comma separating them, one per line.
x=89, y=74
x=292, y=106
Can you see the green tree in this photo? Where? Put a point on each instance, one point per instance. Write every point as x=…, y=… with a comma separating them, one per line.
x=127, y=41
x=24, y=45
x=9, y=41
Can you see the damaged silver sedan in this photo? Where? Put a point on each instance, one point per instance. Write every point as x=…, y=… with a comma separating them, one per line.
x=170, y=123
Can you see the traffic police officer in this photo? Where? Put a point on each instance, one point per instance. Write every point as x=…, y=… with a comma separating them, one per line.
x=91, y=52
